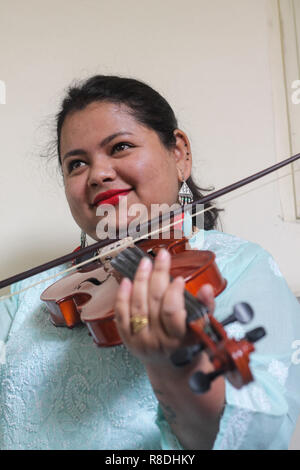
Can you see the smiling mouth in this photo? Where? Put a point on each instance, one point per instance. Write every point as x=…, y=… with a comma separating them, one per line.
x=110, y=197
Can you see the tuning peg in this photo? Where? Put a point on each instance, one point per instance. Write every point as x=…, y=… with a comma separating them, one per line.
x=184, y=356
x=242, y=313
x=256, y=334
x=200, y=382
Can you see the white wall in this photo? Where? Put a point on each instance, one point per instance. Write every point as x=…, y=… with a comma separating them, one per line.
x=209, y=58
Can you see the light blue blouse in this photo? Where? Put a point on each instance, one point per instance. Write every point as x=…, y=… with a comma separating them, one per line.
x=59, y=391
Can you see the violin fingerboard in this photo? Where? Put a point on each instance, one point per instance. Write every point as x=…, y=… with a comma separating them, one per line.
x=126, y=263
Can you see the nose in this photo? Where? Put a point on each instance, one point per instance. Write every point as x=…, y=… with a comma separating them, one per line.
x=101, y=171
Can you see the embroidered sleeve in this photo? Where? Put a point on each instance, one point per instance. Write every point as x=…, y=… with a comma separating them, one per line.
x=168, y=439
x=262, y=415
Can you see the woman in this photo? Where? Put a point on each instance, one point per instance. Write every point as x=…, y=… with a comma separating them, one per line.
x=59, y=392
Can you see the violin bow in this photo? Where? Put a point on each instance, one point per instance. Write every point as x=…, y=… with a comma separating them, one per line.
x=146, y=226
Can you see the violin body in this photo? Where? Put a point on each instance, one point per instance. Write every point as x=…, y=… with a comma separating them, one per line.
x=88, y=295
x=85, y=296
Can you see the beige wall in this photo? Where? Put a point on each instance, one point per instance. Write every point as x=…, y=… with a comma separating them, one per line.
x=209, y=58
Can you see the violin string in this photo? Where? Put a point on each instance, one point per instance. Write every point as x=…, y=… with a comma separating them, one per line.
x=127, y=261
x=124, y=265
x=195, y=309
x=98, y=256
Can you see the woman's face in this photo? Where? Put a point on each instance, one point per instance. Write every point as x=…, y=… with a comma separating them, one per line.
x=104, y=148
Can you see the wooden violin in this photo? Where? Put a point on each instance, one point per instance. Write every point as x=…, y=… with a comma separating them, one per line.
x=88, y=295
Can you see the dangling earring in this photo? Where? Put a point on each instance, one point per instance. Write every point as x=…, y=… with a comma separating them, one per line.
x=185, y=195
x=82, y=239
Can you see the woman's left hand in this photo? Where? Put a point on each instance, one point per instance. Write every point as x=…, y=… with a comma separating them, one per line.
x=151, y=319
x=150, y=312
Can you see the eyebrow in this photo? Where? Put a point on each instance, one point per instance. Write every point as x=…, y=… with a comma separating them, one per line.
x=107, y=140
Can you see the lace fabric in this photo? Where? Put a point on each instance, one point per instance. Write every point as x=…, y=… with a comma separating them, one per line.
x=59, y=391
x=262, y=415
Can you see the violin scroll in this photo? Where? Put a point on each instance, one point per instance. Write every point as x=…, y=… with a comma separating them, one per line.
x=242, y=313
x=234, y=364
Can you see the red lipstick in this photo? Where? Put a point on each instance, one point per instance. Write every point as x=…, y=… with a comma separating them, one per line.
x=110, y=197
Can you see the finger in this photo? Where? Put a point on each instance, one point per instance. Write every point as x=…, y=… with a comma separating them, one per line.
x=206, y=295
x=122, y=306
x=173, y=314
x=159, y=282
x=139, y=297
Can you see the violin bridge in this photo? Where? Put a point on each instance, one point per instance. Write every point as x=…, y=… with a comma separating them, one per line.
x=111, y=251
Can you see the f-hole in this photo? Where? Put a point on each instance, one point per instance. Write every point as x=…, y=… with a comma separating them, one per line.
x=93, y=280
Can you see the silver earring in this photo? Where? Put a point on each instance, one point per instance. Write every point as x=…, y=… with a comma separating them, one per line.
x=185, y=195
x=82, y=239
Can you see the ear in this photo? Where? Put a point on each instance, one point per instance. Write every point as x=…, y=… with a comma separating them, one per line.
x=183, y=155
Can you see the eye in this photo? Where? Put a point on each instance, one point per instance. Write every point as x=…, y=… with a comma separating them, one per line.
x=121, y=146
x=74, y=165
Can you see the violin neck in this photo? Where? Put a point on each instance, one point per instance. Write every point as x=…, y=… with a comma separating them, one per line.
x=126, y=263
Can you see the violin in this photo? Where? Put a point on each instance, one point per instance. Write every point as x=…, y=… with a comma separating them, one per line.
x=88, y=296
x=72, y=300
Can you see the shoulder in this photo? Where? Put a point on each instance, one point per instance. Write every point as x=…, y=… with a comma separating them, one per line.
x=236, y=257
x=227, y=248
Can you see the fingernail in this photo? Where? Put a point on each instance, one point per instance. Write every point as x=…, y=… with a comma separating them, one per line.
x=180, y=280
x=125, y=284
x=207, y=288
x=145, y=264
x=162, y=254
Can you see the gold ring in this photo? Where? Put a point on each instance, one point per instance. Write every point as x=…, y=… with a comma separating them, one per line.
x=138, y=323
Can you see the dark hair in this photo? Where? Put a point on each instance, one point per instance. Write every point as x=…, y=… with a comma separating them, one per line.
x=145, y=104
